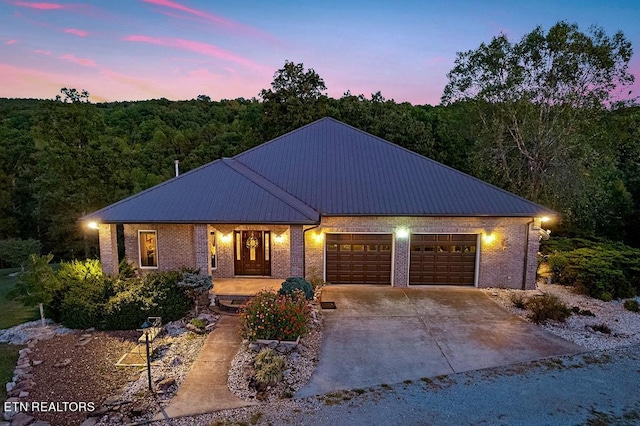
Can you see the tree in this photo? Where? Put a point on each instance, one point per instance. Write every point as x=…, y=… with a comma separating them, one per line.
x=532, y=99
x=73, y=96
x=297, y=97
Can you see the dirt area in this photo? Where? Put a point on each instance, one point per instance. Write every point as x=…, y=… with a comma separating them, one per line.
x=90, y=376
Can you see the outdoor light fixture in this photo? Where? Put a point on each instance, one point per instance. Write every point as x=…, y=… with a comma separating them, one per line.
x=279, y=238
x=545, y=219
x=93, y=225
x=318, y=237
x=489, y=238
x=145, y=330
x=402, y=233
x=226, y=238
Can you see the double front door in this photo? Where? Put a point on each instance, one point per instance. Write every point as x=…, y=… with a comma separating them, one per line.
x=252, y=253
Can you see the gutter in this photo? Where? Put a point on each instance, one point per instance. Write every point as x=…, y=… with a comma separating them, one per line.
x=304, y=251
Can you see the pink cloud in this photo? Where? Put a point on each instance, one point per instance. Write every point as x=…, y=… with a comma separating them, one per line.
x=194, y=46
x=79, y=33
x=39, y=6
x=44, y=52
x=209, y=17
x=11, y=42
x=80, y=61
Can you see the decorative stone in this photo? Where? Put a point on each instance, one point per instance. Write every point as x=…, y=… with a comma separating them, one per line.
x=166, y=383
x=63, y=363
x=36, y=363
x=40, y=423
x=21, y=419
x=23, y=394
x=9, y=386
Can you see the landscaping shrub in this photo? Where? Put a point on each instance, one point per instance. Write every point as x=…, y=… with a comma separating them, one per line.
x=269, y=315
x=547, y=307
x=599, y=268
x=602, y=328
x=631, y=305
x=519, y=300
x=157, y=294
x=15, y=252
x=269, y=367
x=297, y=283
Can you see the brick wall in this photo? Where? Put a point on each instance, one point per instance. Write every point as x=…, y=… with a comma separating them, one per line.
x=176, y=245
x=108, y=248
x=501, y=263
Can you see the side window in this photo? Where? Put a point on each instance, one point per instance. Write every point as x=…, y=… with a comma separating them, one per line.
x=148, y=243
x=213, y=251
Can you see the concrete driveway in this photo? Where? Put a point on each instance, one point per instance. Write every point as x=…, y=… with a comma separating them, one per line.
x=387, y=335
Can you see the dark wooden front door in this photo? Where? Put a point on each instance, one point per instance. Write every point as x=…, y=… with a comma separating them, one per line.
x=252, y=253
x=359, y=258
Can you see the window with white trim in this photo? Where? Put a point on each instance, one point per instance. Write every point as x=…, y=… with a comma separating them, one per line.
x=148, y=244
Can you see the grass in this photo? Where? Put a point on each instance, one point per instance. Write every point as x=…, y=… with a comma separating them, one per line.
x=13, y=312
x=8, y=358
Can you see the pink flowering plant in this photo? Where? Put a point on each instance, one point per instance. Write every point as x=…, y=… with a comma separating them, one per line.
x=269, y=315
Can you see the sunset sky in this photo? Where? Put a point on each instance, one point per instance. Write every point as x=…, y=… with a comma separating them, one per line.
x=178, y=49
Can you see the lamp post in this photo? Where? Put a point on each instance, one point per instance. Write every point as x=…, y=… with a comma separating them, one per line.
x=145, y=329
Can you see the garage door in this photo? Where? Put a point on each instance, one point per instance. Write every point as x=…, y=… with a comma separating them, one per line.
x=359, y=258
x=448, y=259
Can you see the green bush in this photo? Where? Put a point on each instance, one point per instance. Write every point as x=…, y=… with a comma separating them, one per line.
x=269, y=315
x=518, y=299
x=157, y=294
x=547, y=307
x=632, y=305
x=15, y=252
x=297, y=283
x=198, y=323
x=601, y=269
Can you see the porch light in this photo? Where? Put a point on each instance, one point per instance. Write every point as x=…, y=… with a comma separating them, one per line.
x=226, y=238
x=318, y=237
x=278, y=238
x=544, y=219
x=93, y=225
x=402, y=233
x=489, y=238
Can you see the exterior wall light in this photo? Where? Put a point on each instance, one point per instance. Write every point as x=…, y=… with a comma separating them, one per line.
x=226, y=238
x=544, y=219
x=93, y=225
x=402, y=233
x=489, y=238
x=318, y=237
x=279, y=238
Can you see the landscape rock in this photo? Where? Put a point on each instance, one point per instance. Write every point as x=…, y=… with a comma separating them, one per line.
x=36, y=363
x=40, y=423
x=21, y=419
x=166, y=383
x=63, y=363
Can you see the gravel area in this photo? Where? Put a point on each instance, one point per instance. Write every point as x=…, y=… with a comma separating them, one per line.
x=624, y=325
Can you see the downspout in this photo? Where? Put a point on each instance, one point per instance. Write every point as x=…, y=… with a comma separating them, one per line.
x=526, y=255
x=304, y=250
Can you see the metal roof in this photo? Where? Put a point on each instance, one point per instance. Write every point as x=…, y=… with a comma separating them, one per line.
x=324, y=168
x=340, y=170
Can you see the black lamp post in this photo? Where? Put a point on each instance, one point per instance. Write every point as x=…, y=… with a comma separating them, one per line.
x=145, y=329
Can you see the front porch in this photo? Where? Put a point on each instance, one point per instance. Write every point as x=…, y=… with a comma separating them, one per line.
x=228, y=287
x=231, y=293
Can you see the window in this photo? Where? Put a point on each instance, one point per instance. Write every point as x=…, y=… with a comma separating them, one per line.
x=148, y=243
x=213, y=251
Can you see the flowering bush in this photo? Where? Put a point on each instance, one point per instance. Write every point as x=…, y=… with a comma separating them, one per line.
x=272, y=316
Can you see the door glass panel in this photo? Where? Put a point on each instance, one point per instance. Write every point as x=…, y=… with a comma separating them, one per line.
x=358, y=247
x=345, y=247
x=266, y=246
x=385, y=247
x=372, y=247
x=238, y=245
x=332, y=247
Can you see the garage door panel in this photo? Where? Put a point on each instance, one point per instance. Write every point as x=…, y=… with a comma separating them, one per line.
x=362, y=258
x=448, y=259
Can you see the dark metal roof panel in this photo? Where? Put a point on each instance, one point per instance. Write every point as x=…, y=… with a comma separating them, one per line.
x=216, y=192
x=340, y=170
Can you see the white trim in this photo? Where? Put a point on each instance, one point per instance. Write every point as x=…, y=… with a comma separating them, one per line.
x=155, y=231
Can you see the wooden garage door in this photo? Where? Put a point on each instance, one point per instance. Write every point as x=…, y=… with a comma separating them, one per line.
x=359, y=258
x=443, y=259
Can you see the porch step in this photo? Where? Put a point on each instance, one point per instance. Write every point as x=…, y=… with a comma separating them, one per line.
x=231, y=303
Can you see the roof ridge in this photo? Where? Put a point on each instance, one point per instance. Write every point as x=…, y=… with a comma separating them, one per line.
x=272, y=188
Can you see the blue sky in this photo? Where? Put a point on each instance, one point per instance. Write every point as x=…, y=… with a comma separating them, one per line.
x=179, y=49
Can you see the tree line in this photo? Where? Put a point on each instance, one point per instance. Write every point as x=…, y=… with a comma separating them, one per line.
x=537, y=117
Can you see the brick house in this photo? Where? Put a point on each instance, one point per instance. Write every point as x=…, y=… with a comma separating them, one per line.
x=332, y=201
